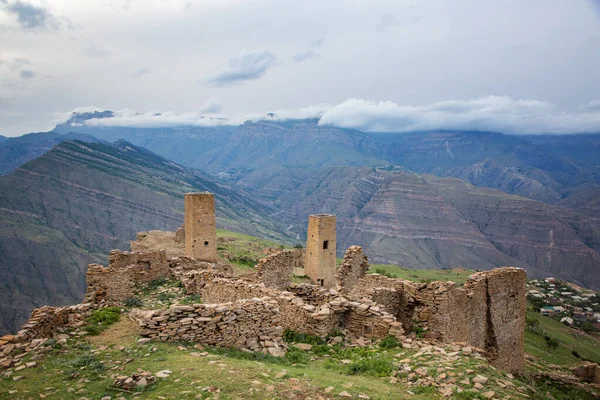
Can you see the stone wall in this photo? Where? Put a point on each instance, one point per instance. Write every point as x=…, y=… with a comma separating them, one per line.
x=116, y=282
x=588, y=372
x=276, y=270
x=303, y=308
x=354, y=267
x=46, y=321
x=488, y=312
x=145, y=266
x=250, y=324
x=311, y=294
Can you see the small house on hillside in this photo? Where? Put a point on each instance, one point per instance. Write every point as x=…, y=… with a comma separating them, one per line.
x=567, y=320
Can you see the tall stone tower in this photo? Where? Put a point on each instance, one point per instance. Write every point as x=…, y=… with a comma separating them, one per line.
x=319, y=261
x=199, y=225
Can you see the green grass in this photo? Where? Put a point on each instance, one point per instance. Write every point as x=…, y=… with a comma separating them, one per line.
x=421, y=275
x=588, y=346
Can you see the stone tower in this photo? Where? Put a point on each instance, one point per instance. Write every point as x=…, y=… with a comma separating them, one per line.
x=199, y=225
x=319, y=261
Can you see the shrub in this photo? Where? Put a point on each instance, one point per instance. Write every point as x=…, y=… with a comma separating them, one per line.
x=370, y=366
x=420, y=332
x=191, y=299
x=133, y=302
x=383, y=272
x=165, y=297
x=298, y=246
x=290, y=336
x=101, y=319
x=389, y=342
x=296, y=356
x=90, y=362
x=588, y=327
x=155, y=283
x=551, y=342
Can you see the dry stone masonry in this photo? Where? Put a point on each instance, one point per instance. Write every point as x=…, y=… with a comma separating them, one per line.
x=276, y=270
x=320, y=258
x=200, y=226
x=488, y=312
x=354, y=266
x=250, y=324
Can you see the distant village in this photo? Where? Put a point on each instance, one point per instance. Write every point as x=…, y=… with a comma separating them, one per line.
x=565, y=302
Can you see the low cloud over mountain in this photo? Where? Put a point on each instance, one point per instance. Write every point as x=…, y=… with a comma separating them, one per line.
x=490, y=113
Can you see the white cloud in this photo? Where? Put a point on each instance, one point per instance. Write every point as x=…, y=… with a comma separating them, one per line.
x=247, y=65
x=491, y=113
x=211, y=106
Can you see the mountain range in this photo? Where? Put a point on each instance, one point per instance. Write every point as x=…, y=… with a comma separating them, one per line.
x=438, y=199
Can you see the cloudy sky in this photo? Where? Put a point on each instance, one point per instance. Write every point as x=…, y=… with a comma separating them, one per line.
x=515, y=66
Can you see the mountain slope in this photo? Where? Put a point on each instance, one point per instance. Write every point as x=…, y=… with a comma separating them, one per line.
x=512, y=164
x=16, y=151
x=430, y=222
x=82, y=199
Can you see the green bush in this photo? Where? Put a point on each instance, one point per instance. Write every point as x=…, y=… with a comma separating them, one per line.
x=90, y=362
x=383, y=272
x=551, y=342
x=389, y=342
x=165, y=297
x=101, y=319
x=133, y=302
x=290, y=336
x=372, y=366
x=191, y=299
x=420, y=332
x=296, y=356
x=321, y=349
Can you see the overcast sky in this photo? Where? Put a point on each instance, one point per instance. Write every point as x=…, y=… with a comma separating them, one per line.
x=516, y=66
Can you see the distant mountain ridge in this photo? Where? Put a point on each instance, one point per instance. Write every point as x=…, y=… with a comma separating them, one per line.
x=16, y=151
x=530, y=166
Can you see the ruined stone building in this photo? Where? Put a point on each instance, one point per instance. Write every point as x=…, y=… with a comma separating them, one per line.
x=251, y=312
x=200, y=226
x=320, y=257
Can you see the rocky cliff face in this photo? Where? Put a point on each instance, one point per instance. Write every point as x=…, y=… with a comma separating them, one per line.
x=63, y=210
x=430, y=222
